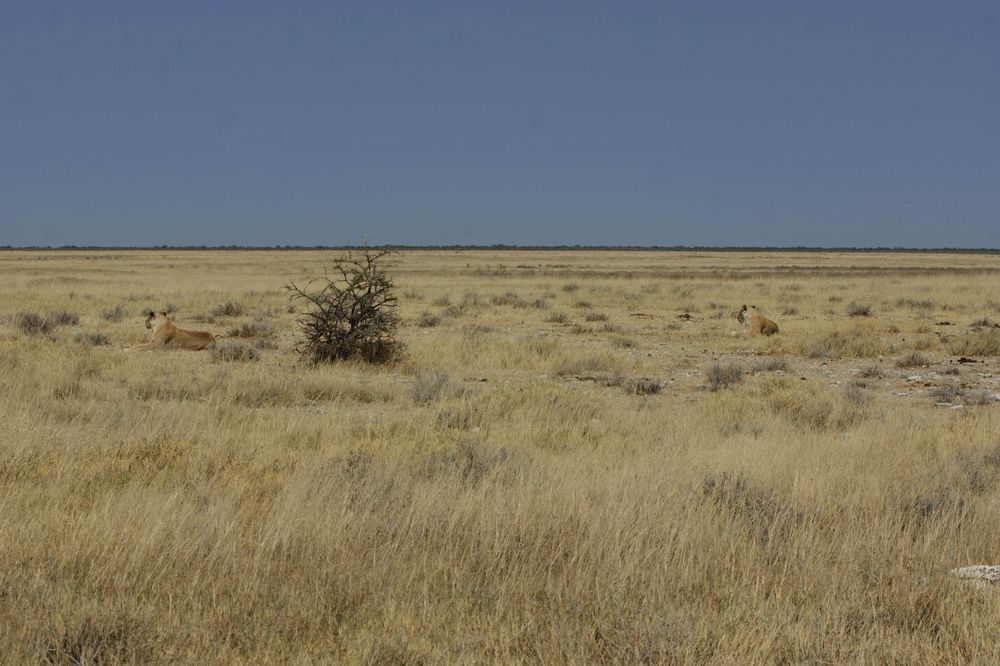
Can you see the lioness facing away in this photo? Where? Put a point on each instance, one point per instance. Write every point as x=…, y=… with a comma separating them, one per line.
x=755, y=322
x=165, y=334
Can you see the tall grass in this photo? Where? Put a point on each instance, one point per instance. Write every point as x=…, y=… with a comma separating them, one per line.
x=513, y=492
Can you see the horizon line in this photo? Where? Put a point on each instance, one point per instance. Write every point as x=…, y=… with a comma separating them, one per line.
x=505, y=246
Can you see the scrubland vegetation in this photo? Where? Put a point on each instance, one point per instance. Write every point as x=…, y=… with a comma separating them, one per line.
x=579, y=459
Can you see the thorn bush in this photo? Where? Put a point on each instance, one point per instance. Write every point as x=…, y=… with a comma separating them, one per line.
x=351, y=315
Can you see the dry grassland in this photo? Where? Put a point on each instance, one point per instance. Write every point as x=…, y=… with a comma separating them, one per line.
x=564, y=469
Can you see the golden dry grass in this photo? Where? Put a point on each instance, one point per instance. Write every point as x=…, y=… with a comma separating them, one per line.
x=546, y=478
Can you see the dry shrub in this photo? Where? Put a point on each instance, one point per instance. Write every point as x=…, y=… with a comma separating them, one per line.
x=68, y=389
x=469, y=459
x=765, y=514
x=771, y=365
x=859, y=310
x=958, y=395
x=812, y=408
x=115, y=314
x=636, y=385
x=509, y=298
x=860, y=344
x=351, y=316
x=953, y=485
x=32, y=323
x=912, y=360
x=258, y=328
x=428, y=320
x=429, y=387
x=111, y=639
x=228, y=309
x=924, y=304
x=856, y=393
x=873, y=372
x=63, y=318
x=977, y=343
x=557, y=318
x=723, y=376
x=94, y=339
x=234, y=351
x=587, y=365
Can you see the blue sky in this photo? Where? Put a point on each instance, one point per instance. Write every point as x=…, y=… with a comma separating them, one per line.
x=627, y=123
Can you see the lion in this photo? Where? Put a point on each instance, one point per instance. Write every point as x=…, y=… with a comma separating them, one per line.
x=165, y=334
x=755, y=323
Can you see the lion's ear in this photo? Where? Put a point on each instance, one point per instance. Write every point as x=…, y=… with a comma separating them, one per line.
x=151, y=314
x=163, y=313
x=744, y=306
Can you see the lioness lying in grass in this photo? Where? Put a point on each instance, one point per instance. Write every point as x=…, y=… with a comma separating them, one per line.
x=165, y=334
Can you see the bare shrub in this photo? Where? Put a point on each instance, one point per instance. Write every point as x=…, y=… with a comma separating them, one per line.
x=924, y=304
x=912, y=360
x=229, y=309
x=429, y=387
x=469, y=459
x=509, y=298
x=765, y=514
x=596, y=316
x=570, y=287
x=259, y=328
x=812, y=408
x=477, y=329
x=873, y=372
x=857, y=394
x=845, y=344
x=789, y=310
x=234, y=351
x=94, y=339
x=442, y=301
x=102, y=640
x=428, y=319
x=980, y=343
x=63, y=318
x=957, y=395
x=557, y=318
x=115, y=314
x=723, y=376
x=352, y=315
x=32, y=323
x=771, y=365
x=586, y=365
x=67, y=390
x=636, y=385
x=951, y=393
x=859, y=310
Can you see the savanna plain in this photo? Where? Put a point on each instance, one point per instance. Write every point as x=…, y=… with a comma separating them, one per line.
x=579, y=458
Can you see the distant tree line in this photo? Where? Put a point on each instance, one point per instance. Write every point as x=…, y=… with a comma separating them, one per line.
x=540, y=248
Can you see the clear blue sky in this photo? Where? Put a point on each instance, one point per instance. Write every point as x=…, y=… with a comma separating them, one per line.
x=873, y=123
